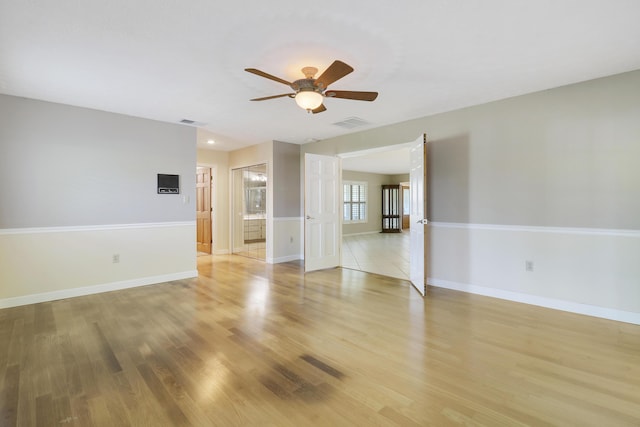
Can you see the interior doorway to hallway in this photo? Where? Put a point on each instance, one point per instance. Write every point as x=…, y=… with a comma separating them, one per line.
x=204, y=236
x=364, y=248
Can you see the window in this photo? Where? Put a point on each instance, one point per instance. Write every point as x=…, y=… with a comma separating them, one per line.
x=354, y=202
x=406, y=201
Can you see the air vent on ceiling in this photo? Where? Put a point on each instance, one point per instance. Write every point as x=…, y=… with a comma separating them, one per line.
x=352, y=122
x=191, y=123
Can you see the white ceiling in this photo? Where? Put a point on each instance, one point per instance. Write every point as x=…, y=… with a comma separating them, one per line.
x=393, y=160
x=170, y=60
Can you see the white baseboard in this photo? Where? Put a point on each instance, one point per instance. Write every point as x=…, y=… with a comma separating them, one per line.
x=572, y=307
x=95, y=289
x=284, y=259
x=363, y=233
x=221, y=252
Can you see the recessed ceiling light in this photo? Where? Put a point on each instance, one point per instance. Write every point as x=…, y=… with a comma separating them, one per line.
x=211, y=142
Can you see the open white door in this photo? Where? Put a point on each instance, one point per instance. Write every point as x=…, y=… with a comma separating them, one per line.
x=322, y=225
x=418, y=230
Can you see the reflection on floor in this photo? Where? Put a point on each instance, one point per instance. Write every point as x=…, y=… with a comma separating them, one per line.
x=380, y=253
x=254, y=249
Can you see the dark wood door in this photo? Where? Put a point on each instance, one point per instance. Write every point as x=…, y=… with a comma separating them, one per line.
x=391, y=209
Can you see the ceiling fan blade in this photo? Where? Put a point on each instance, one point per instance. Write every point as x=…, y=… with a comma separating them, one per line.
x=291, y=95
x=350, y=94
x=267, y=76
x=320, y=109
x=336, y=71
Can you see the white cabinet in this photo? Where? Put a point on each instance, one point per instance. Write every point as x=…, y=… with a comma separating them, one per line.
x=254, y=229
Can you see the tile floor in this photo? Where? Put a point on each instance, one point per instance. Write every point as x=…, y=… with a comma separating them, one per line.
x=382, y=253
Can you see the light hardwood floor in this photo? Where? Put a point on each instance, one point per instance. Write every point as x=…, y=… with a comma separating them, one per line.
x=252, y=344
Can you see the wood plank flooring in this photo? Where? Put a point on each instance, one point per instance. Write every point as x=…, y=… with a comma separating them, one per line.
x=252, y=344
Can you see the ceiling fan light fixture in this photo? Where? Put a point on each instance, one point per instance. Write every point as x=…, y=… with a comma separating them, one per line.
x=310, y=92
x=309, y=99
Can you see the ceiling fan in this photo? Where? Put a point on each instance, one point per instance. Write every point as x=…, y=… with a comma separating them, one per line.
x=309, y=93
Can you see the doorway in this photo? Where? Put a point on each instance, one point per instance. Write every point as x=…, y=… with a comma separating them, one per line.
x=204, y=238
x=249, y=202
x=365, y=248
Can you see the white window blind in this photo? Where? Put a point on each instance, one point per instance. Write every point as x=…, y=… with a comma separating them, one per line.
x=354, y=202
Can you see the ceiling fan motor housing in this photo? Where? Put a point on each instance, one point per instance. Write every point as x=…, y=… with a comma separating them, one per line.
x=305, y=85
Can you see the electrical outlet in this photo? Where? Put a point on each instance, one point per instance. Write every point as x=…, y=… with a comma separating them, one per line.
x=291, y=239
x=115, y=259
x=528, y=265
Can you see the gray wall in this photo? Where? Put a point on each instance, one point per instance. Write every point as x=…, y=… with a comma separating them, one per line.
x=566, y=157
x=286, y=180
x=67, y=166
